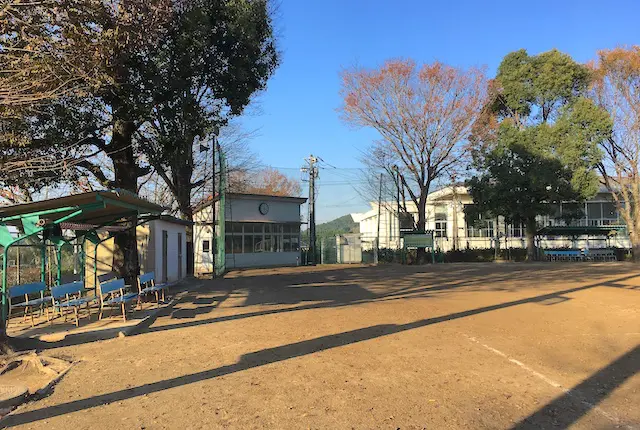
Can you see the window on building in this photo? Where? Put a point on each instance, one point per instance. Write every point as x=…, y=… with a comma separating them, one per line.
x=594, y=213
x=205, y=246
x=237, y=244
x=406, y=221
x=517, y=230
x=295, y=243
x=610, y=214
x=441, y=222
x=261, y=237
x=248, y=243
x=482, y=228
x=479, y=227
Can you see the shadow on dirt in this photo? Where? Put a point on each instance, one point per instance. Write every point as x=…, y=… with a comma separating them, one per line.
x=565, y=410
x=582, y=398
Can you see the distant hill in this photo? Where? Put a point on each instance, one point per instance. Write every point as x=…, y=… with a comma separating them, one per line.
x=341, y=225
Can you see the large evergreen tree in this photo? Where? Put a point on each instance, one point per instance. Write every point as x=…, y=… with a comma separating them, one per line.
x=185, y=62
x=216, y=56
x=537, y=143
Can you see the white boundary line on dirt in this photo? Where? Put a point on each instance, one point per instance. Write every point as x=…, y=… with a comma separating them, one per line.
x=551, y=382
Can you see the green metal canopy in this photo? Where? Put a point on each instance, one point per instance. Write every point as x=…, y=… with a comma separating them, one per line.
x=605, y=230
x=93, y=207
x=85, y=213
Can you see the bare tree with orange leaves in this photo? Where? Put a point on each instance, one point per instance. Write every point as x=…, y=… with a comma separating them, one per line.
x=268, y=181
x=423, y=114
x=617, y=89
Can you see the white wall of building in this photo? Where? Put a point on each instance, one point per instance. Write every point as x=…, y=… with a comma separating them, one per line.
x=262, y=259
x=176, y=261
x=202, y=232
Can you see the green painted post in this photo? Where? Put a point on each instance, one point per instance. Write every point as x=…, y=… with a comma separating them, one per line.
x=82, y=259
x=43, y=261
x=4, y=286
x=95, y=268
x=59, y=268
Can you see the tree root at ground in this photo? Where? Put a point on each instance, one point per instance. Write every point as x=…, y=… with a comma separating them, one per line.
x=28, y=376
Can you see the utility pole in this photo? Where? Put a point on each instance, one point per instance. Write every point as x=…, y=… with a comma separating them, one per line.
x=375, y=257
x=313, y=174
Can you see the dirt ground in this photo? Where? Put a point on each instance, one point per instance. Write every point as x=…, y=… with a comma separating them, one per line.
x=446, y=346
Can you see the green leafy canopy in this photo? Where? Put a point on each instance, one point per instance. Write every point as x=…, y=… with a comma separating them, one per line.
x=544, y=145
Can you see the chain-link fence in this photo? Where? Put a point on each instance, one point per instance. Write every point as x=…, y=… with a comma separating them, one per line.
x=24, y=263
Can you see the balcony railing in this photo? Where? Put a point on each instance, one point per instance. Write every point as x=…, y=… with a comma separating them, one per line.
x=583, y=222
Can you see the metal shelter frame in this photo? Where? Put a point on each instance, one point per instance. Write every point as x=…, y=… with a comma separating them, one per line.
x=86, y=214
x=571, y=231
x=574, y=232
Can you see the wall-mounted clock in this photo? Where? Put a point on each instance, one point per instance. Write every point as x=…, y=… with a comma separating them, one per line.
x=263, y=208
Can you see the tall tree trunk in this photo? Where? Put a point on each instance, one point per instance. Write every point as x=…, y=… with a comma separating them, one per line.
x=634, y=238
x=531, y=228
x=182, y=176
x=422, y=226
x=125, y=253
x=186, y=213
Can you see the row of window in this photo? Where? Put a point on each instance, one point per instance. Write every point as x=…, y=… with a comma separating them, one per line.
x=482, y=228
x=260, y=228
x=244, y=238
x=249, y=243
x=588, y=214
x=251, y=237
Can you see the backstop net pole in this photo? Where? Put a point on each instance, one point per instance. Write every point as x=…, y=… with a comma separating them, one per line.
x=220, y=263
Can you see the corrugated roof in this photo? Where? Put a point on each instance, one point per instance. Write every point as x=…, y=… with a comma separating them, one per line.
x=115, y=204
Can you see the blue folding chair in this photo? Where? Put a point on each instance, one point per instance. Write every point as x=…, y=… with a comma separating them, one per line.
x=69, y=296
x=147, y=285
x=26, y=290
x=113, y=293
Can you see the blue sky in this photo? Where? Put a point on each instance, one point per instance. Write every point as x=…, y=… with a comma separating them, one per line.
x=319, y=38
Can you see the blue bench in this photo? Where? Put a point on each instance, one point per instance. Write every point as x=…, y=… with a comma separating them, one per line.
x=26, y=290
x=113, y=293
x=601, y=255
x=69, y=296
x=147, y=285
x=569, y=255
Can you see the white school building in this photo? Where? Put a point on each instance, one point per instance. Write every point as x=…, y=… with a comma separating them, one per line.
x=445, y=216
x=260, y=231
